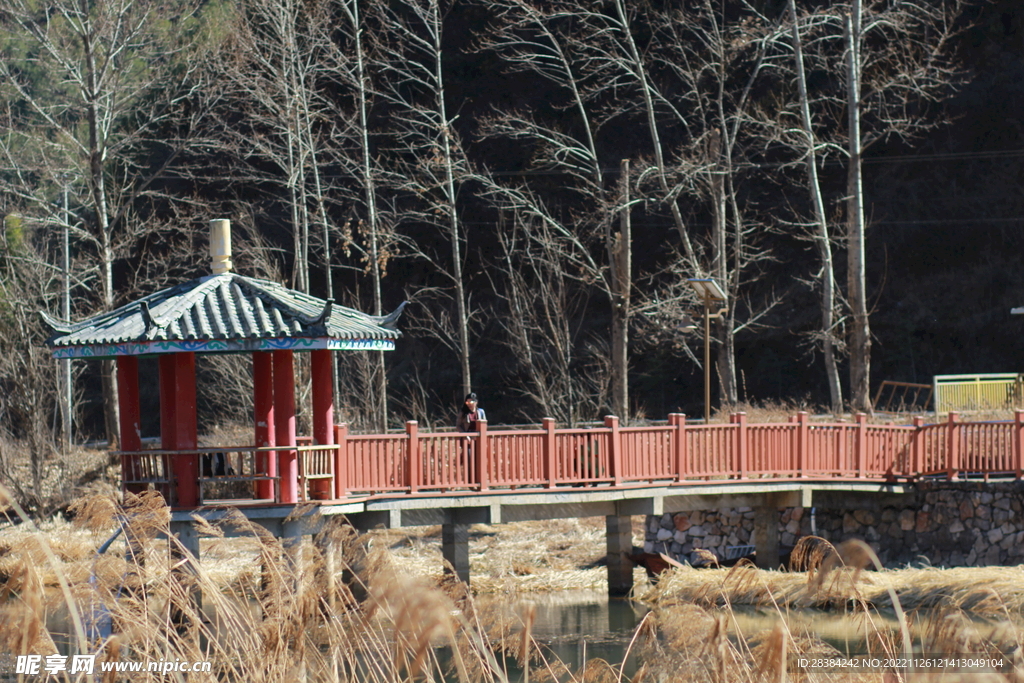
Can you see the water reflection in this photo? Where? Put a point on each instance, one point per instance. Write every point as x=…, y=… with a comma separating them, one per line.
x=578, y=626
x=575, y=627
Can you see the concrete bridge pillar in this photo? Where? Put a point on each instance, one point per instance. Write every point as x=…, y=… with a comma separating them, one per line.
x=766, y=534
x=619, y=538
x=291, y=540
x=185, y=555
x=455, y=544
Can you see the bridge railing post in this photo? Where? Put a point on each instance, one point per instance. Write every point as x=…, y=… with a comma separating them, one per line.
x=483, y=455
x=341, y=458
x=742, y=444
x=862, y=444
x=952, y=446
x=414, y=462
x=917, y=466
x=678, y=421
x=803, y=437
x=1018, y=443
x=550, y=466
x=612, y=423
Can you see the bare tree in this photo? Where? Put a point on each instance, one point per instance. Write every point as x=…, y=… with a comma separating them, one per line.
x=543, y=317
x=823, y=239
x=277, y=65
x=890, y=63
x=697, y=138
x=856, y=276
x=898, y=62
x=717, y=54
x=27, y=373
x=354, y=65
x=430, y=158
x=95, y=84
x=539, y=40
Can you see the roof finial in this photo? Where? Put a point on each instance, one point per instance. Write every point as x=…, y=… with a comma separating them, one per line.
x=220, y=245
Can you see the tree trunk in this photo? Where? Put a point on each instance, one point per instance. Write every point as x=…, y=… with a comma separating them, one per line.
x=856, y=286
x=823, y=239
x=97, y=185
x=370, y=193
x=723, y=327
x=454, y=229
x=640, y=73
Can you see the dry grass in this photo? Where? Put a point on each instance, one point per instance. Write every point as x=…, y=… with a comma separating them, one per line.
x=983, y=591
x=64, y=477
x=780, y=411
x=273, y=614
x=521, y=557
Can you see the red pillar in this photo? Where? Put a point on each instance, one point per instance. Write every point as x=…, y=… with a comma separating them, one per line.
x=284, y=426
x=743, y=444
x=168, y=426
x=178, y=430
x=263, y=414
x=168, y=433
x=550, y=456
x=130, y=423
x=615, y=456
x=323, y=415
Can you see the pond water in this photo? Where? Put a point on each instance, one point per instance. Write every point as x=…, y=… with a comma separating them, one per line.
x=578, y=626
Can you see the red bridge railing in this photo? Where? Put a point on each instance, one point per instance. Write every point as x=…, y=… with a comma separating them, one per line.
x=678, y=453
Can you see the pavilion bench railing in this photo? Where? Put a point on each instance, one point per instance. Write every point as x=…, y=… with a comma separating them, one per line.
x=142, y=469
x=233, y=478
x=235, y=466
x=316, y=470
x=676, y=454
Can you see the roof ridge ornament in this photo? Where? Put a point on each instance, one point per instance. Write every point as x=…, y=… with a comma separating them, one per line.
x=389, y=321
x=56, y=324
x=147, y=317
x=220, y=246
x=324, y=314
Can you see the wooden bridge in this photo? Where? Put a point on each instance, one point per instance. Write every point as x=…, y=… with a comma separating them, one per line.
x=493, y=476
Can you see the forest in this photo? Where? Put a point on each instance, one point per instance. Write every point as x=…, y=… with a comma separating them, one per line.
x=539, y=179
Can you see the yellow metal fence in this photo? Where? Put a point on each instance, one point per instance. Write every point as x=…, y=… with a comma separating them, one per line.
x=964, y=393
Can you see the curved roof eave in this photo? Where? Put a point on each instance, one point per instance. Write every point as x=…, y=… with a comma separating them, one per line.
x=223, y=314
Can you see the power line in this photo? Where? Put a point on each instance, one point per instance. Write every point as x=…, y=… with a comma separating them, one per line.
x=993, y=154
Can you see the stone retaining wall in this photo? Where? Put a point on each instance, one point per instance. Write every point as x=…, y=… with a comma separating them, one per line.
x=950, y=524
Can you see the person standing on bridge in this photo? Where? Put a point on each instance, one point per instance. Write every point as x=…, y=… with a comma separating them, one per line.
x=469, y=415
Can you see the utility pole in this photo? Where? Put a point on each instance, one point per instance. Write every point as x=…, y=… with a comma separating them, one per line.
x=619, y=258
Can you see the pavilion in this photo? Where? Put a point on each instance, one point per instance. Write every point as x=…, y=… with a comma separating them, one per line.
x=216, y=314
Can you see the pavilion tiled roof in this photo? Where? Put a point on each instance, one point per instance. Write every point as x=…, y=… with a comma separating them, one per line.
x=223, y=313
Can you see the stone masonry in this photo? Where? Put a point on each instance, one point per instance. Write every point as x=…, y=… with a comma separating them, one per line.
x=951, y=524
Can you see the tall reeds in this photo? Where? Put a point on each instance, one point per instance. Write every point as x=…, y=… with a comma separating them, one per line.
x=288, y=621
x=331, y=610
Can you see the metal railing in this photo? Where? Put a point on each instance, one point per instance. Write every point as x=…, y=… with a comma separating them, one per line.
x=967, y=393
x=902, y=397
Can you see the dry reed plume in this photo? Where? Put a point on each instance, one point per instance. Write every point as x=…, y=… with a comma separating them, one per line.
x=293, y=619
x=290, y=616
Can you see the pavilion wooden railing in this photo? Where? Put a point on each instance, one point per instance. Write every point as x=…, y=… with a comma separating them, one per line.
x=678, y=453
